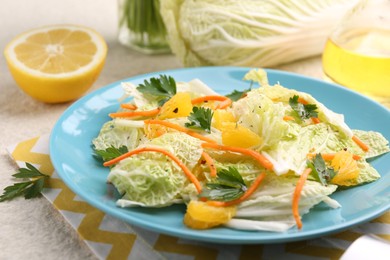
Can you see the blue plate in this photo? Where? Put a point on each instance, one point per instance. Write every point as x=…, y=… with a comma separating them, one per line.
x=71, y=154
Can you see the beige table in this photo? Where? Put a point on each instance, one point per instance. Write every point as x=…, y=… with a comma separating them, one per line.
x=34, y=229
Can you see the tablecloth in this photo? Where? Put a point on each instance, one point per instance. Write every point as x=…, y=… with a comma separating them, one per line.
x=110, y=238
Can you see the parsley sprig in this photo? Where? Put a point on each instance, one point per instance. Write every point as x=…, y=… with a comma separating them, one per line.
x=200, y=118
x=163, y=88
x=320, y=171
x=304, y=111
x=228, y=186
x=110, y=153
x=29, y=189
x=236, y=94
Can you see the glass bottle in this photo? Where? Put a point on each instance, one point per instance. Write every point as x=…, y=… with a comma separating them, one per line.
x=141, y=26
x=357, y=53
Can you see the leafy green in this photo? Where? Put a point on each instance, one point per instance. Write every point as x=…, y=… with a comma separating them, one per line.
x=30, y=189
x=200, y=118
x=304, y=111
x=257, y=75
x=375, y=140
x=248, y=33
x=264, y=117
x=320, y=171
x=228, y=185
x=111, y=153
x=273, y=201
x=116, y=134
x=151, y=178
x=163, y=87
x=236, y=95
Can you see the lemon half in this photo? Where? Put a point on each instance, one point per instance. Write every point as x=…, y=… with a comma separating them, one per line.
x=56, y=63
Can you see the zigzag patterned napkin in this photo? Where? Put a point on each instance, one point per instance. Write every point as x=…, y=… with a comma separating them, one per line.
x=110, y=238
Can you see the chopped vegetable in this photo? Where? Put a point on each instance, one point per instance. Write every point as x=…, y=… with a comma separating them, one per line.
x=224, y=104
x=304, y=111
x=111, y=152
x=360, y=143
x=200, y=118
x=236, y=94
x=228, y=186
x=320, y=171
x=179, y=128
x=256, y=183
x=129, y=106
x=147, y=113
x=163, y=88
x=288, y=118
x=330, y=156
x=203, y=99
x=257, y=156
x=210, y=163
x=187, y=172
x=297, y=196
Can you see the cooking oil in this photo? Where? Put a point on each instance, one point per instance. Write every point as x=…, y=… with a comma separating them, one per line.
x=360, y=59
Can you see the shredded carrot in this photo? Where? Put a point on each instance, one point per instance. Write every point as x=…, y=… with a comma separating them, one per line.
x=288, y=118
x=255, y=184
x=152, y=112
x=224, y=104
x=297, y=196
x=302, y=101
x=129, y=106
x=315, y=120
x=360, y=143
x=186, y=171
x=257, y=156
x=208, y=98
x=179, y=128
x=210, y=163
x=225, y=101
x=330, y=156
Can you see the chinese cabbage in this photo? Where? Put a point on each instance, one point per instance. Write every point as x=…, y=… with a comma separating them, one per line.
x=249, y=33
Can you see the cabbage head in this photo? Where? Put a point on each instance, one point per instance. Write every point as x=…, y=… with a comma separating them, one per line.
x=252, y=33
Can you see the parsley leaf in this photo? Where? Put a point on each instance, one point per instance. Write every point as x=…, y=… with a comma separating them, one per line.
x=110, y=153
x=30, y=189
x=236, y=95
x=163, y=87
x=200, y=118
x=320, y=171
x=304, y=111
x=228, y=186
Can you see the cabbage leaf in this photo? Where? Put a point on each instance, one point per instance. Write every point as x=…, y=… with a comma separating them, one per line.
x=256, y=33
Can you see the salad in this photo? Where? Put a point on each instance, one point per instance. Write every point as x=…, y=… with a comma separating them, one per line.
x=255, y=159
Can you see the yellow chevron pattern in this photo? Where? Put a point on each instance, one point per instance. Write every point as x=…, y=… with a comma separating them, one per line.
x=385, y=218
x=252, y=252
x=304, y=248
x=199, y=252
x=122, y=243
